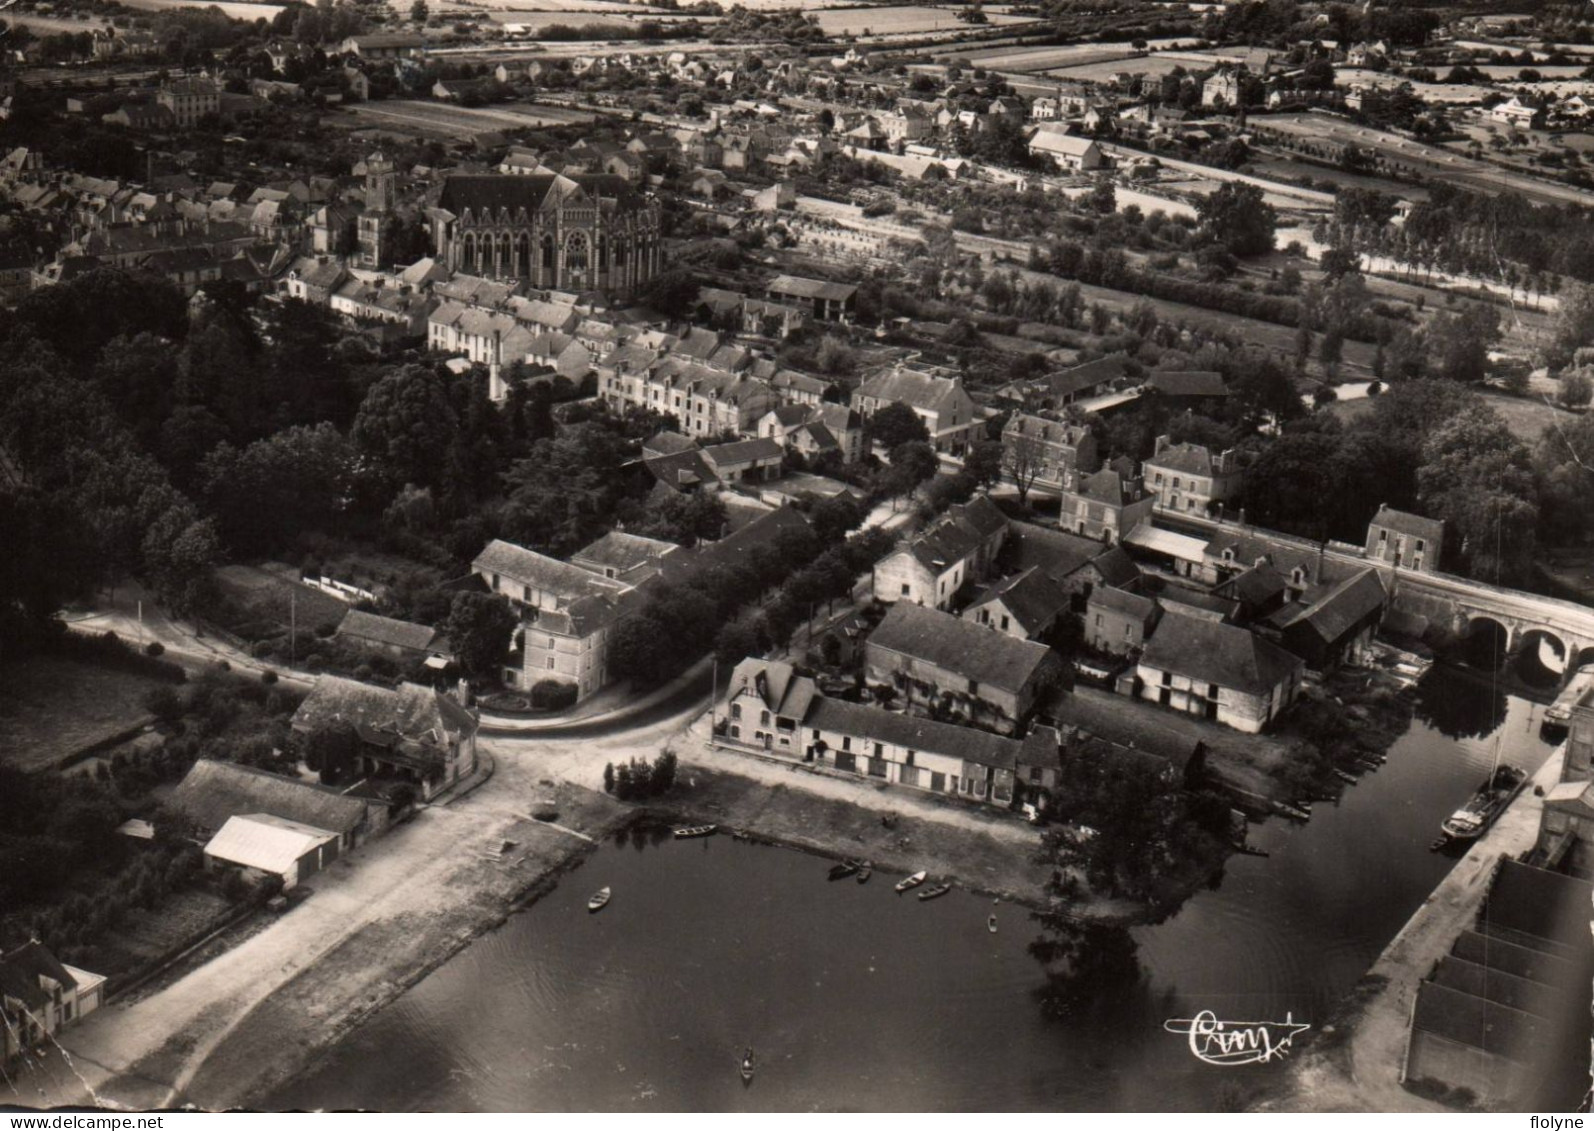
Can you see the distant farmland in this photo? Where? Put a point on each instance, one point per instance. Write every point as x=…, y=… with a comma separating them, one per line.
x=905, y=20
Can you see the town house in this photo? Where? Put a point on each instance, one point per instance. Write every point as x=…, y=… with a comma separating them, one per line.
x=40, y=995
x=1118, y=622
x=1047, y=454
x=1107, y=504
x=933, y=566
x=948, y=412
x=1025, y=606
x=407, y=734
x=1216, y=671
x=1405, y=541
x=1190, y=479
x=568, y=614
x=932, y=657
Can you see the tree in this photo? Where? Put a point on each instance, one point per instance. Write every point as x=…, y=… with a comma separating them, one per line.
x=1024, y=458
x=912, y=463
x=419, y=12
x=479, y=629
x=1573, y=327
x=1576, y=389
x=1459, y=342
x=1477, y=477
x=1239, y=218
x=331, y=751
x=405, y=424
x=984, y=462
x=895, y=425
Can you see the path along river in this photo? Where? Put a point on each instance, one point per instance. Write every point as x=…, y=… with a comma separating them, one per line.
x=857, y=998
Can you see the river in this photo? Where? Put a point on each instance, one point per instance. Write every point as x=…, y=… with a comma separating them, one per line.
x=857, y=998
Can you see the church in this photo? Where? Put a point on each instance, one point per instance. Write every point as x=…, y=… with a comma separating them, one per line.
x=575, y=233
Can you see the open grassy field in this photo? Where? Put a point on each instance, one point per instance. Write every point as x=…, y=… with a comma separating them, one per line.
x=144, y=936
x=54, y=707
x=900, y=20
x=435, y=119
x=233, y=8
x=1152, y=66
x=1526, y=418
x=264, y=603
x=1031, y=59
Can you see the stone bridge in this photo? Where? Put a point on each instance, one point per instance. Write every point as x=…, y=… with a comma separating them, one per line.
x=1516, y=621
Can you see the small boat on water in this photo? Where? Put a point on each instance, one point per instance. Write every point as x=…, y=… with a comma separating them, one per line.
x=912, y=881
x=935, y=892
x=686, y=832
x=1291, y=811
x=991, y=923
x=599, y=900
x=865, y=872
x=1348, y=779
x=1472, y=819
x=747, y=1066
x=845, y=868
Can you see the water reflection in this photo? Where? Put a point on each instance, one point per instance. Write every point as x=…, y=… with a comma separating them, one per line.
x=1083, y=963
x=1475, y=714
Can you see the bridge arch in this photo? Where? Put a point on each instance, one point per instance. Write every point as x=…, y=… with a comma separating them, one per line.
x=1542, y=657
x=1485, y=642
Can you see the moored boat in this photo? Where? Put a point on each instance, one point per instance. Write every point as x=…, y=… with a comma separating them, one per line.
x=599, y=900
x=912, y=881
x=991, y=923
x=935, y=892
x=865, y=872
x=686, y=832
x=844, y=869
x=1291, y=811
x=1348, y=779
x=747, y=1066
x=1472, y=819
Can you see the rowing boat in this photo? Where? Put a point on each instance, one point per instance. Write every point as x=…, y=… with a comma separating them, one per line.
x=599, y=900
x=935, y=892
x=912, y=881
x=688, y=831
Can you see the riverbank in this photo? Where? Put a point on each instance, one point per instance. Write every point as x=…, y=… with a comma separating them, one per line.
x=1354, y=1062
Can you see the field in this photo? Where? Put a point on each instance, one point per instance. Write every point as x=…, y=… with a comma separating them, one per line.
x=233, y=8
x=1526, y=418
x=1031, y=59
x=436, y=119
x=264, y=602
x=904, y=20
x=54, y=707
x=1152, y=66
x=1426, y=160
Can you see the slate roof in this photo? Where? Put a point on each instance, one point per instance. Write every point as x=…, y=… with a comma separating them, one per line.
x=1214, y=652
x=914, y=733
x=1187, y=383
x=1544, y=904
x=1342, y=607
x=410, y=716
x=1176, y=595
x=777, y=683
x=1116, y=567
x=798, y=287
x=478, y=192
x=1192, y=459
x=1249, y=549
x=1118, y=601
x=1479, y=1023
x=1033, y=598
x=743, y=451
x=386, y=630
x=915, y=389
x=1080, y=378
x=1255, y=586
x=1107, y=486
x=527, y=567
x=1057, y=552
x=21, y=969
x=211, y=792
x=623, y=552
x=1414, y=525
x=667, y=444
x=958, y=646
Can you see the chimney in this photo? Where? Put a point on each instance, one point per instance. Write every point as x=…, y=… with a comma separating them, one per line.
x=1162, y=442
